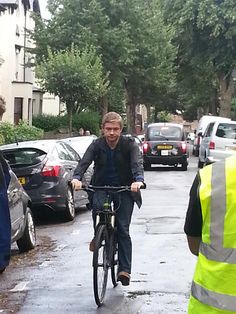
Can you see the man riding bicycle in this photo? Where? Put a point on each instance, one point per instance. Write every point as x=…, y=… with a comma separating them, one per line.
x=117, y=161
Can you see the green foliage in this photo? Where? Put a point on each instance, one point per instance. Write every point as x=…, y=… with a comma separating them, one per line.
x=205, y=34
x=49, y=122
x=86, y=120
x=21, y=132
x=75, y=76
x=163, y=116
x=130, y=38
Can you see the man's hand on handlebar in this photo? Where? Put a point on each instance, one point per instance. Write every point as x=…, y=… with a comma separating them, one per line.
x=76, y=184
x=135, y=186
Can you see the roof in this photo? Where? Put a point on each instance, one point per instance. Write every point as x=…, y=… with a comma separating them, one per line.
x=33, y=5
x=165, y=124
x=8, y=2
x=44, y=145
x=2, y=8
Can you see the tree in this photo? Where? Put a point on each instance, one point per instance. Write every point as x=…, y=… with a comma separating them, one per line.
x=130, y=36
x=75, y=76
x=205, y=36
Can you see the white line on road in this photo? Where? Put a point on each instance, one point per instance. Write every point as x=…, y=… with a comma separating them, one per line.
x=20, y=286
x=85, y=222
x=60, y=247
x=46, y=264
x=75, y=232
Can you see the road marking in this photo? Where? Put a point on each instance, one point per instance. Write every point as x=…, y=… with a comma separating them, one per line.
x=45, y=264
x=85, y=222
x=60, y=247
x=75, y=232
x=20, y=286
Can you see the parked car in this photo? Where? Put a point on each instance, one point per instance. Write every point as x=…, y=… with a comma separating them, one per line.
x=165, y=143
x=44, y=168
x=137, y=140
x=22, y=222
x=218, y=142
x=201, y=128
x=80, y=143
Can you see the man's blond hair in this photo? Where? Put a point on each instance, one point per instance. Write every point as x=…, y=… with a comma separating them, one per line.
x=112, y=117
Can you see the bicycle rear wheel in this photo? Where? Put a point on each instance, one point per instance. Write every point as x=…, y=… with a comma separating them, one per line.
x=100, y=264
x=114, y=259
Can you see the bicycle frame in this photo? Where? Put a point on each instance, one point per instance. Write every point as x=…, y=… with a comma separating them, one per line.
x=105, y=242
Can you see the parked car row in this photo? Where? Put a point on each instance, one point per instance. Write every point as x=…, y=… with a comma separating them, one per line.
x=44, y=168
x=40, y=171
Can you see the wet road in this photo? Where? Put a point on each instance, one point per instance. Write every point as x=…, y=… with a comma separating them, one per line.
x=56, y=277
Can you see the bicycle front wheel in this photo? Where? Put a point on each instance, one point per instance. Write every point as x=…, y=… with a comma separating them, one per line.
x=100, y=264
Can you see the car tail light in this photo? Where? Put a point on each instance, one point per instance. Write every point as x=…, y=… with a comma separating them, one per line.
x=212, y=145
x=183, y=147
x=51, y=170
x=145, y=147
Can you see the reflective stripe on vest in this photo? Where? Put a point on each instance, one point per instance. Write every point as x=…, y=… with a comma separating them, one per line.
x=215, y=250
x=218, y=300
x=214, y=279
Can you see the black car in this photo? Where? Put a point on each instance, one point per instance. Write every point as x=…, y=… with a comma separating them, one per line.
x=44, y=168
x=165, y=143
x=22, y=222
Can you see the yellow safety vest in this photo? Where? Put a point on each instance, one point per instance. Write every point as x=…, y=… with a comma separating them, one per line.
x=214, y=284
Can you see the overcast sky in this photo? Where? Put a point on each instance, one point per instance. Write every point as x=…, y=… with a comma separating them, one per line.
x=43, y=4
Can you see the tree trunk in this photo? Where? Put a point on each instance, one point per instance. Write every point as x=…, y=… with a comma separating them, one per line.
x=103, y=105
x=225, y=93
x=148, y=113
x=130, y=109
x=70, y=120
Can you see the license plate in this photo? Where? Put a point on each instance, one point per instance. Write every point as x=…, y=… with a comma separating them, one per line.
x=22, y=180
x=164, y=152
x=164, y=146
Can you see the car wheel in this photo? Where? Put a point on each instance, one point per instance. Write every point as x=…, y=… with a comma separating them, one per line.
x=200, y=164
x=184, y=166
x=70, y=206
x=28, y=240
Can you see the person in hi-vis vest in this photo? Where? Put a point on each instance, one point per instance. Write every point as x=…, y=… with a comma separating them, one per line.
x=210, y=227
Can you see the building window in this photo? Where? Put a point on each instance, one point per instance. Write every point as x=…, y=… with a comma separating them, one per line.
x=18, y=107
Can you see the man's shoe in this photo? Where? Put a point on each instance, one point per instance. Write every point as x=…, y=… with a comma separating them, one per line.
x=92, y=245
x=124, y=278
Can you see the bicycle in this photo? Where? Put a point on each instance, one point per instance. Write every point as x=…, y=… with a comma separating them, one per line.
x=105, y=255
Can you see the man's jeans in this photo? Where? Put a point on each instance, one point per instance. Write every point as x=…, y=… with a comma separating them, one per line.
x=123, y=204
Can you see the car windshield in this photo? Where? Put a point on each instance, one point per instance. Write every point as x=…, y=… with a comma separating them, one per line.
x=80, y=144
x=226, y=130
x=165, y=132
x=23, y=157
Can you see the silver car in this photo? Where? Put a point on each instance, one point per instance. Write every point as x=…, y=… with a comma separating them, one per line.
x=218, y=142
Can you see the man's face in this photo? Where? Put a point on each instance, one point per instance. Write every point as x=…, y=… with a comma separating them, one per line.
x=111, y=132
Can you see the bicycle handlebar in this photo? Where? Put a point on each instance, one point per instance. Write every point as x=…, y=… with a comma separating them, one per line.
x=109, y=188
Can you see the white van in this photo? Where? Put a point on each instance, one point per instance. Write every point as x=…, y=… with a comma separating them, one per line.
x=218, y=142
x=202, y=125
